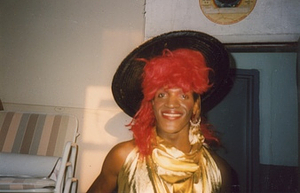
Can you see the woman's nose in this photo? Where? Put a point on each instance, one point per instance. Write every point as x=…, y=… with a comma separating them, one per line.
x=172, y=102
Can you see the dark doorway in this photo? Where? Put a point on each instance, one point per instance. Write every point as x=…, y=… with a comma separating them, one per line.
x=236, y=119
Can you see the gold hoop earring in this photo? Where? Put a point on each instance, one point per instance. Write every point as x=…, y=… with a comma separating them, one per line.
x=197, y=124
x=195, y=135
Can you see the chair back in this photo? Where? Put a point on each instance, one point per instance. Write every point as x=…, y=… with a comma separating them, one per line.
x=36, y=133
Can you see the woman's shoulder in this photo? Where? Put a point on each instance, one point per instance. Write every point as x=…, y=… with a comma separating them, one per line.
x=112, y=165
x=117, y=156
x=121, y=150
x=225, y=169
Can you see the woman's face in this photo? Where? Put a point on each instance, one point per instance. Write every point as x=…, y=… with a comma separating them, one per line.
x=173, y=110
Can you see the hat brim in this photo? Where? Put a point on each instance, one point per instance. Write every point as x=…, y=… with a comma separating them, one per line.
x=126, y=84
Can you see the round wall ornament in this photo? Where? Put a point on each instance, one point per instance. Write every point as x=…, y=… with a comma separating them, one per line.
x=226, y=12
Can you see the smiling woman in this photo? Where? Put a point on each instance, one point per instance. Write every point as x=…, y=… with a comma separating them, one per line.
x=161, y=85
x=173, y=110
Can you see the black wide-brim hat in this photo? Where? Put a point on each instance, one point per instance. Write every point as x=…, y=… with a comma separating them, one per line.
x=126, y=84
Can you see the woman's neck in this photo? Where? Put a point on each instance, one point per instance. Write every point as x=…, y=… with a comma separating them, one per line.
x=178, y=140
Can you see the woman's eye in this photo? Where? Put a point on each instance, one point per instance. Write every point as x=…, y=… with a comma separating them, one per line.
x=184, y=96
x=161, y=95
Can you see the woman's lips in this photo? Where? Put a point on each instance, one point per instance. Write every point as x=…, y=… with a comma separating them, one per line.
x=171, y=115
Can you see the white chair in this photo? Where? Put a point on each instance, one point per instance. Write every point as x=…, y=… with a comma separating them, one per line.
x=38, y=152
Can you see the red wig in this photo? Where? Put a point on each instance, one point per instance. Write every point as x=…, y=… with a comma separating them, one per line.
x=181, y=68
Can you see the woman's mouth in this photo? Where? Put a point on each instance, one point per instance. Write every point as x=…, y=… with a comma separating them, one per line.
x=171, y=115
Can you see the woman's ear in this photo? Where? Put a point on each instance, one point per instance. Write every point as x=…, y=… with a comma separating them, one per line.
x=197, y=109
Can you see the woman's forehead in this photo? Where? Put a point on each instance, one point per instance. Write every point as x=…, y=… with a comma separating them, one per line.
x=173, y=89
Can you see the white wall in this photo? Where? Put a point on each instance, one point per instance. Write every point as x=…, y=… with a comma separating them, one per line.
x=270, y=21
x=60, y=56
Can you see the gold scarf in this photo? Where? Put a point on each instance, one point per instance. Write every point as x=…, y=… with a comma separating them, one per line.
x=173, y=167
x=169, y=170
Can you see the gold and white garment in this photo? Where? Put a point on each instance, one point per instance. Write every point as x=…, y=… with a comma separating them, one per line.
x=169, y=170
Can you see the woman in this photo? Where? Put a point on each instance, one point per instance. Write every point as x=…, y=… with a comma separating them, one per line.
x=161, y=84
